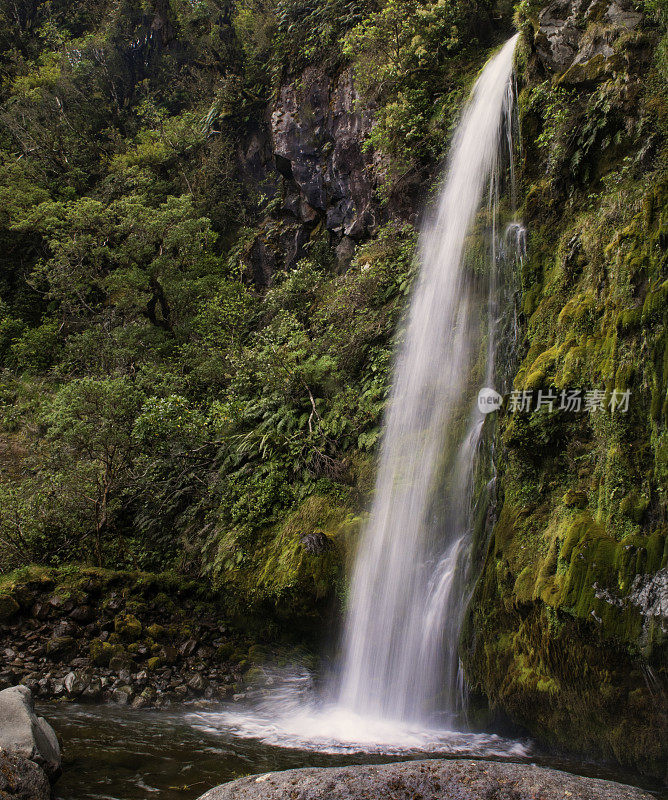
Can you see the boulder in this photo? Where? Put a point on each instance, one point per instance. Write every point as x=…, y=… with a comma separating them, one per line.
x=22, y=779
x=435, y=779
x=24, y=733
x=8, y=606
x=76, y=682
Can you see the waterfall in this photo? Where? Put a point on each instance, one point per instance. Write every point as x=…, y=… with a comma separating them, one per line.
x=408, y=590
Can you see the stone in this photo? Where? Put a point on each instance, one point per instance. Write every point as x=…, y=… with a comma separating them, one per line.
x=102, y=652
x=345, y=251
x=22, y=779
x=8, y=607
x=317, y=135
x=156, y=632
x=197, y=683
x=93, y=691
x=60, y=645
x=188, y=648
x=154, y=663
x=587, y=73
x=81, y=614
x=122, y=695
x=560, y=42
x=77, y=682
x=315, y=542
x=461, y=779
x=121, y=663
x=23, y=732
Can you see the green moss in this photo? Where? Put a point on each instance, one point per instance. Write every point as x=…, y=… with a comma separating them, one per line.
x=127, y=626
x=154, y=663
x=101, y=652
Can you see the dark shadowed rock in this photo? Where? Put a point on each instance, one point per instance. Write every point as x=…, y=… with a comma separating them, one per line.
x=315, y=542
x=318, y=134
x=430, y=780
x=8, y=607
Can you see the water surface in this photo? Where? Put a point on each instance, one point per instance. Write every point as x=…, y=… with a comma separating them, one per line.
x=118, y=753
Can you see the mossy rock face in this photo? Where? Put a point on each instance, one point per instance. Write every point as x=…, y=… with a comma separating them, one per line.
x=128, y=627
x=225, y=651
x=565, y=632
x=156, y=632
x=257, y=654
x=122, y=661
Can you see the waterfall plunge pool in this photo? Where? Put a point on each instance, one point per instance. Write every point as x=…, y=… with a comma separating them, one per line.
x=119, y=753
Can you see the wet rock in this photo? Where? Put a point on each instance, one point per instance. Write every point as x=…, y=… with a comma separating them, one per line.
x=101, y=652
x=315, y=542
x=40, y=611
x=65, y=628
x=122, y=695
x=559, y=35
x=156, y=632
x=561, y=43
x=317, y=135
x=197, y=683
x=82, y=614
x=461, y=779
x=155, y=663
x=188, y=647
x=121, y=663
x=22, y=779
x=77, y=682
x=23, y=732
x=92, y=691
x=345, y=250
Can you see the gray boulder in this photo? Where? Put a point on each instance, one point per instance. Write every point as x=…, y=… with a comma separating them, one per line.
x=21, y=779
x=434, y=779
x=25, y=734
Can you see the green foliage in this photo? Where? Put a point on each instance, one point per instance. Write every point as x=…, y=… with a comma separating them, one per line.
x=415, y=60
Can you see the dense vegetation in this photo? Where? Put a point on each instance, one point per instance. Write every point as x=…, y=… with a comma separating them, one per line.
x=159, y=409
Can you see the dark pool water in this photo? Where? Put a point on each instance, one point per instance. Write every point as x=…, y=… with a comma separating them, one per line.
x=113, y=753
x=117, y=753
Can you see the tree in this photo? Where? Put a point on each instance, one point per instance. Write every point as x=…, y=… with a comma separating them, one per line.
x=92, y=419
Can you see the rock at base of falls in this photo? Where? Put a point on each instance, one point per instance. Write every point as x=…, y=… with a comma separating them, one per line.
x=436, y=779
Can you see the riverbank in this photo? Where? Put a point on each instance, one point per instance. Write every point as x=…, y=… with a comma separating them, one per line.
x=99, y=636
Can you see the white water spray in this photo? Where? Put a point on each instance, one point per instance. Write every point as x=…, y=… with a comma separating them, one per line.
x=406, y=608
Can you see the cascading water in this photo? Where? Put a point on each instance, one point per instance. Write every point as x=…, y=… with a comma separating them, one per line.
x=410, y=580
x=405, y=611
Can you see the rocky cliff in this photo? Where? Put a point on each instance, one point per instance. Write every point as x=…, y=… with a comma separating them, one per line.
x=322, y=178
